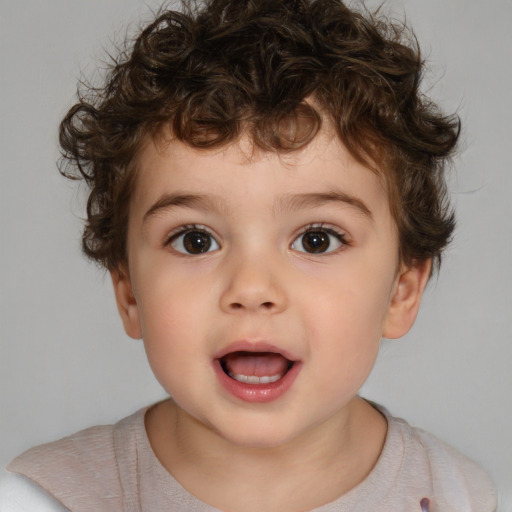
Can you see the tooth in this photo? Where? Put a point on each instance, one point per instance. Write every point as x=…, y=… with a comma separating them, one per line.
x=253, y=379
x=270, y=378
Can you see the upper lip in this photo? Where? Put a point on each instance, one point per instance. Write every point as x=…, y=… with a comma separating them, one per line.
x=254, y=346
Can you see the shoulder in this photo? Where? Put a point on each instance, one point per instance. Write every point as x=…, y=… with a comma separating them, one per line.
x=81, y=470
x=80, y=454
x=457, y=482
x=19, y=494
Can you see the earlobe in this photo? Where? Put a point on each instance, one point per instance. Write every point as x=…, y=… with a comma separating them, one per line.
x=406, y=299
x=126, y=303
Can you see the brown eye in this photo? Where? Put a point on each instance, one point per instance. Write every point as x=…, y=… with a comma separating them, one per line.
x=318, y=241
x=315, y=241
x=194, y=242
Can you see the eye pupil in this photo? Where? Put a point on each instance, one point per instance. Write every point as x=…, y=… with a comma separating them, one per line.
x=196, y=242
x=315, y=241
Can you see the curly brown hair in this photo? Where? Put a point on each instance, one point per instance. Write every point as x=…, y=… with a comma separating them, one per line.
x=273, y=69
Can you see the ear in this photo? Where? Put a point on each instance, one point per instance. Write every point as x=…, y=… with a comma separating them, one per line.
x=126, y=303
x=406, y=298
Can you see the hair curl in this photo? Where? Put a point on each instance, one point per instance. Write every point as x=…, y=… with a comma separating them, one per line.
x=274, y=69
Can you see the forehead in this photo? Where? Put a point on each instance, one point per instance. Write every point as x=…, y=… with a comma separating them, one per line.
x=240, y=171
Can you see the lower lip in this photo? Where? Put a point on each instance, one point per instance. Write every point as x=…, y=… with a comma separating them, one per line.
x=257, y=393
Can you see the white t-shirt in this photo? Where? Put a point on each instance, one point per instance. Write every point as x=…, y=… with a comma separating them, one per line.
x=20, y=494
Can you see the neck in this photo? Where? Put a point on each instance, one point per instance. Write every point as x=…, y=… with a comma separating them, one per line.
x=306, y=472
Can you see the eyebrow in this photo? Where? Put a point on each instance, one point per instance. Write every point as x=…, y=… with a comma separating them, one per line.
x=286, y=203
x=295, y=202
x=184, y=200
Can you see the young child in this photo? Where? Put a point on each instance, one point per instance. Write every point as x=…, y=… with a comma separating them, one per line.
x=267, y=191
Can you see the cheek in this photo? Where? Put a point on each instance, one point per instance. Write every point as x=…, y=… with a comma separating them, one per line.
x=170, y=334
x=166, y=294
x=345, y=346
x=169, y=310
x=349, y=308
x=344, y=321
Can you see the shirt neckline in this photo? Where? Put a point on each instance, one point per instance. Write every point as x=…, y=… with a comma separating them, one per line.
x=368, y=493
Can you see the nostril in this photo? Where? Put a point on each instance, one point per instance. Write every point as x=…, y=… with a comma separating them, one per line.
x=264, y=305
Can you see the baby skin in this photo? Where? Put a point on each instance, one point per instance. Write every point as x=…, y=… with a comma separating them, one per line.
x=262, y=284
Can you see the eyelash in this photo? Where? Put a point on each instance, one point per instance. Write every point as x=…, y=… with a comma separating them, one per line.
x=322, y=228
x=182, y=231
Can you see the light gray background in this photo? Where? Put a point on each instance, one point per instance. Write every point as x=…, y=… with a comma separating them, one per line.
x=65, y=361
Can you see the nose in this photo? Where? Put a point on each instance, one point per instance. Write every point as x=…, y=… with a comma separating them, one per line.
x=253, y=285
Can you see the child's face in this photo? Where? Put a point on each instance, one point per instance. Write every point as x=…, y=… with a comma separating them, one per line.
x=294, y=258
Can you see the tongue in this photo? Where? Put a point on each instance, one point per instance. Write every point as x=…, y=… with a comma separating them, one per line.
x=259, y=364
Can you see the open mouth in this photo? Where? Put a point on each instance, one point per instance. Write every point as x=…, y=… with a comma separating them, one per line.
x=256, y=372
x=255, y=367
